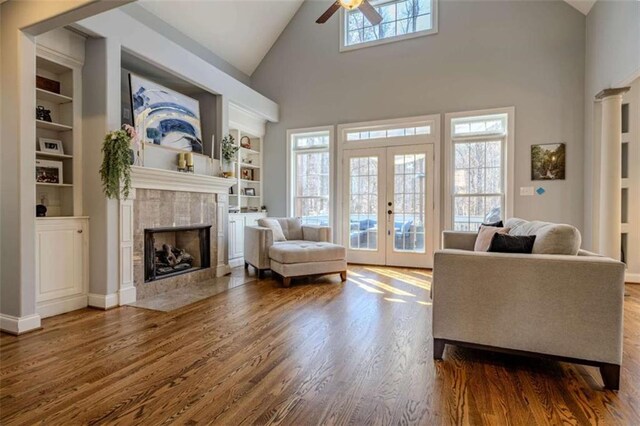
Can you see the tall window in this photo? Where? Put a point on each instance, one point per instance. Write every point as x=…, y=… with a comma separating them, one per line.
x=400, y=19
x=478, y=178
x=310, y=171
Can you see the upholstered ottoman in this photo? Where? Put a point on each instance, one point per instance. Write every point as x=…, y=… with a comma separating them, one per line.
x=291, y=259
x=291, y=249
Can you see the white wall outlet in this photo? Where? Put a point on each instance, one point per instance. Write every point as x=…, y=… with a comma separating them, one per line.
x=526, y=191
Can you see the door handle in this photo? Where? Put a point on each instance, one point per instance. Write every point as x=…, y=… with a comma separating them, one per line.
x=389, y=212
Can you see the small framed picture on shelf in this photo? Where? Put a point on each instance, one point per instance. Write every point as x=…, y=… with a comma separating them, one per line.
x=247, y=174
x=52, y=146
x=245, y=142
x=250, y=191
x=48, y=171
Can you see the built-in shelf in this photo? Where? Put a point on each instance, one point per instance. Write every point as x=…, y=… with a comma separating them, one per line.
x=250, y=151
x=249, y=181
x=250, y=196
x=625, y=183
x=249, y=166
x=53, y=155
x=63, y=185
x=56, y=98
x=624, y=228
x=52, y=126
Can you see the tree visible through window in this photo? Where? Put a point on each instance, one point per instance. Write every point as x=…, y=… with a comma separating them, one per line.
x=310, y=177
x=399, y=18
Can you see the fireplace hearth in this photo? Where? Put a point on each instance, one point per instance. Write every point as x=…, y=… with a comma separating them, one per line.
x=170, y=251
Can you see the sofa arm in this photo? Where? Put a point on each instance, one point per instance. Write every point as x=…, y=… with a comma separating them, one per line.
x=459, y=240
x=257, y=240
x=562, y=305
x=316, y=233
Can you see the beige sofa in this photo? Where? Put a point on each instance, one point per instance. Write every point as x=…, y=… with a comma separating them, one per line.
x=306, y=250
x=567, y=307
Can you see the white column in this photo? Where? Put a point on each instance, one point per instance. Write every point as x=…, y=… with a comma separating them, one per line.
x=610, y=172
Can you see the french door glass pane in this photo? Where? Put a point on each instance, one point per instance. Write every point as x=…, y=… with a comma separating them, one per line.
x=363, y=203
x=409, y=203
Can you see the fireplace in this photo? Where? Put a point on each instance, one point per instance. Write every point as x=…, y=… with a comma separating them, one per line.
x=170, y=251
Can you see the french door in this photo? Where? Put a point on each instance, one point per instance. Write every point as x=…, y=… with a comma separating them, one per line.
x=388, y=205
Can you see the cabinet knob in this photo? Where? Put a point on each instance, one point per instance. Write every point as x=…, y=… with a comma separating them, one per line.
x=79, y=231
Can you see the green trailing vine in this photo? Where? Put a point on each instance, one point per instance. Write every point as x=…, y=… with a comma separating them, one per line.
x=115, y=171
x=229, y=148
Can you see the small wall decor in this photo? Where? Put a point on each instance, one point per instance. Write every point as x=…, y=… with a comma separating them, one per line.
x=245, y=142
x=43, y=114
x=548, y=161
x=165, y=117
x=247, y=174
x=48, y=171
x=250, y=191
x=52, y=146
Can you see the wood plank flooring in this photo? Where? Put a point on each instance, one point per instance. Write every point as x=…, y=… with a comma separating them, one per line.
x=320, y=352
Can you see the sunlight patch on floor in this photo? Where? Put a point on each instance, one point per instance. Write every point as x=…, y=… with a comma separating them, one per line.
x=423, y=303
x=388, y=287
x=407, y=279
x=365, y=287
x=390, y=299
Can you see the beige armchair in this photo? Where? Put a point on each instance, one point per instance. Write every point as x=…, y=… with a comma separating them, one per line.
x=306, y=251
x=564, y=307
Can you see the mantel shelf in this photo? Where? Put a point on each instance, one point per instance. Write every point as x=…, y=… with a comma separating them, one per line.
x=169, y=180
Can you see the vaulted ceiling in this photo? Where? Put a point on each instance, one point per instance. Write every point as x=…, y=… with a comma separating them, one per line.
x=241, y=32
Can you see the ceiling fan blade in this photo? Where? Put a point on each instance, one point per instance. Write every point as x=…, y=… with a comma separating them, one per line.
x=370, y=13
x=329, y=13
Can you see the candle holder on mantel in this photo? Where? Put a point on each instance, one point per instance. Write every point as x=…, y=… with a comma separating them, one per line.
x=189, y=158
x=182, y=164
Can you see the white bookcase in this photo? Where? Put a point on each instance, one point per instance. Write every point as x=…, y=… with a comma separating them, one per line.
x=631, y=182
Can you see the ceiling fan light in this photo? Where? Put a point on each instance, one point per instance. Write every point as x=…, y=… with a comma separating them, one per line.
x=350, y=4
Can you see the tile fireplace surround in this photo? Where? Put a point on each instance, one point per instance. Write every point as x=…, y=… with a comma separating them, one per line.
x=158, y=208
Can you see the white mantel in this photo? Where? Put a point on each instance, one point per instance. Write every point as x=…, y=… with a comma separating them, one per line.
x=169, y=180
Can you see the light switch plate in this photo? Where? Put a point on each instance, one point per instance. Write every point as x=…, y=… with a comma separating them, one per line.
x=526, y=191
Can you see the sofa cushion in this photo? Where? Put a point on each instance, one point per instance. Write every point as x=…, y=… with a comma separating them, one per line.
x=485, y=235
x=551, y=238
x=274, y=225
x=291, y=227
x=306, y=251
x=505, y=243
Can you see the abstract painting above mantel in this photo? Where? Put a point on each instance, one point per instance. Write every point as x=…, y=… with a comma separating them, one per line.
x=164, y=117
x=548, y=161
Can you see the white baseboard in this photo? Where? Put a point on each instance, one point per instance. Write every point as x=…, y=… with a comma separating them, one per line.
x=222, y=270
x=19, y=325
x=61, y=306
x=103, y=301
x=126, y=295
x=632, y=278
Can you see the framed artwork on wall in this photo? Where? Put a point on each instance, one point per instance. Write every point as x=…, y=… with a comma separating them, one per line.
x=548, y=161
x=165, y=117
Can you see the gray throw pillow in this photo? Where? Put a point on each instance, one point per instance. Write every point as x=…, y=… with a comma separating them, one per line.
x=275, y=227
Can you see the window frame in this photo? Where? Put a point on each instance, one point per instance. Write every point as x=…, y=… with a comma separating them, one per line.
x=345, y=48
x=290, y=157
x=508, y=157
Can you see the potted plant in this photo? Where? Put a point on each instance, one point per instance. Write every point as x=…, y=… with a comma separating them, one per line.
x=115, y=171
x=229, y=151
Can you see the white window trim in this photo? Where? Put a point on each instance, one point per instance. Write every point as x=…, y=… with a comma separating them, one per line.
x=509, y=183
x=432, y=138
x=289, y=158
x=434, y=30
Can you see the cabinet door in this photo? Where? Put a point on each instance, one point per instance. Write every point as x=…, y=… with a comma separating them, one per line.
x=236, y=236
x=59, y=260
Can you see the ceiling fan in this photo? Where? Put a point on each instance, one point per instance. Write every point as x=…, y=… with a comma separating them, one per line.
x=365, y=7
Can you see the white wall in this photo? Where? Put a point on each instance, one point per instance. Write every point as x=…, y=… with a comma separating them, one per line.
x=527, y=54
x=612, y=60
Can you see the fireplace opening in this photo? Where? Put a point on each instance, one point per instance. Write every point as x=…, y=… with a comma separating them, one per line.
x=176, y=250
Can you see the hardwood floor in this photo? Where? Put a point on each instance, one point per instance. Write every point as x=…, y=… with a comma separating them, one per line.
x=358, y=353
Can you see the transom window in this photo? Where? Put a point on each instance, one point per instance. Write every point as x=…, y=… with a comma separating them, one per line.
x=310, y=181
x=400, y=19
x=478, y=145
x=388, y=133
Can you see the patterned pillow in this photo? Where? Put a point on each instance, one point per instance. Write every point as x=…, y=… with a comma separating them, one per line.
x=485, y=235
